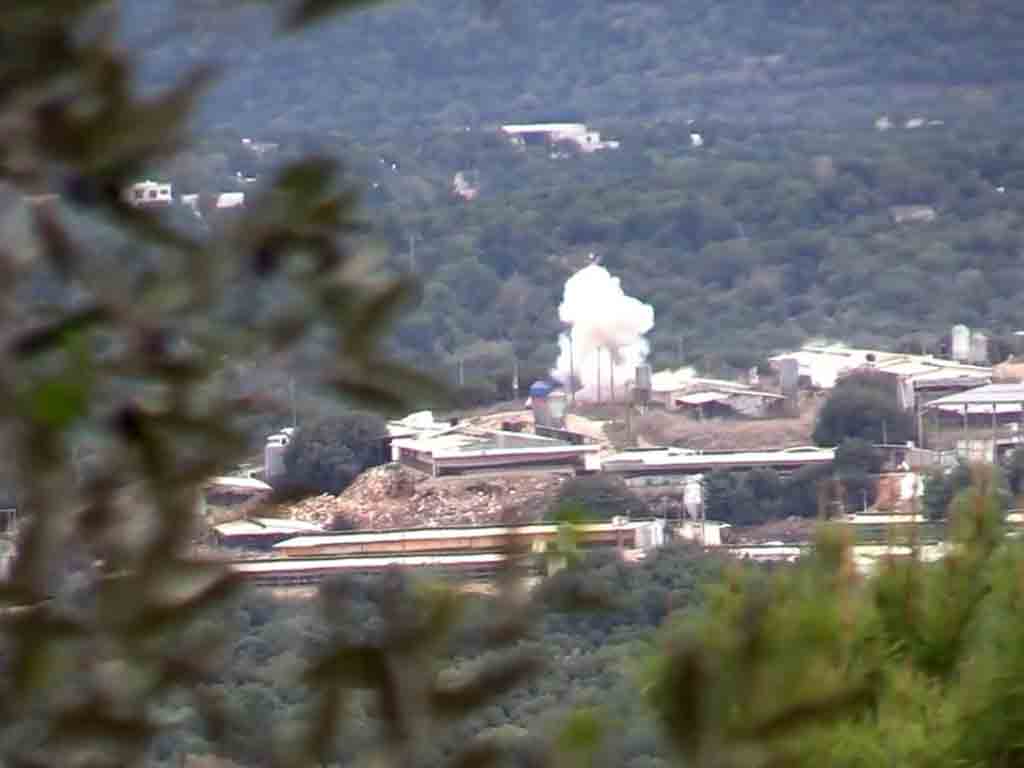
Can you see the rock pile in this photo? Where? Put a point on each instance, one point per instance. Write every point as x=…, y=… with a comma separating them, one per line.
x=393, y=496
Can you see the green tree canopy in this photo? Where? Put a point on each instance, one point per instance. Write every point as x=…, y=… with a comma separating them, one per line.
x=863, y=405
x=328, y=455
x=596, y=497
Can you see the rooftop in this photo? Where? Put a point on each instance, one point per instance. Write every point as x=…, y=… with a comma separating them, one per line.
x=981, y=399
x=436, y=534
x=673, y=381
x=544, y=127
x=823, y=363
x=681, y=458
x=238, y=483
x=470, y=440
x=288, y=565
x=260, y=526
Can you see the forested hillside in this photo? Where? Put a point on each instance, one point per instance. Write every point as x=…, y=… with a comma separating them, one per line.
x=779, y=227
x=594, y=662
x=418, y=65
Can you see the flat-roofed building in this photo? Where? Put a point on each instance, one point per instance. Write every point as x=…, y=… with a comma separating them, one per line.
x=463, y=451
x=679, y=461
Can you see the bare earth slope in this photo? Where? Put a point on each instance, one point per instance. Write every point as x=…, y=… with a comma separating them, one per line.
x=393, y=496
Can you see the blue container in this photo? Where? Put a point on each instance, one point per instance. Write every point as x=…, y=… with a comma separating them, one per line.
x=540, y=389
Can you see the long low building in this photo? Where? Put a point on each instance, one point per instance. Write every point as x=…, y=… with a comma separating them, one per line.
x=642, y=535
x=295, y=572
x=679, y=461
x=468, y=451
x=261, y=532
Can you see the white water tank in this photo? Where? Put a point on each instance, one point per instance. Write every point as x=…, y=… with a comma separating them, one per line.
x=273, y=456
x=979, y=349
x=961, y=343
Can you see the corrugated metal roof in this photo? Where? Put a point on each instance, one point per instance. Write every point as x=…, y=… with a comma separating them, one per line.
x=239, y=483
x=287, y=565
x=435, y=534
x=699, y=398
x=265, y=526
x=1009, y=394
x=669, y=458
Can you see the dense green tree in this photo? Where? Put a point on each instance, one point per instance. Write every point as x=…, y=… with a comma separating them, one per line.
x=596, y=497
x=940, y=488
x=862, y=406
x=326, y=456
x=857, y=462
x=1015, y=472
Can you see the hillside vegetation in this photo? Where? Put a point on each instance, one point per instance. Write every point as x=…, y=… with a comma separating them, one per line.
x=778, y=229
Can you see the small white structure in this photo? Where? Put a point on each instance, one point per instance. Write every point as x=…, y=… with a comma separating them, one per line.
x=823, y=364
x=192, y=203
x=961, y=339
x=883, y=123
x=912, y=214
x=145, y=193
x=463, y=187
x=273, y=454
x=584, y=139
x=914, y=122
x=682, y=390
x=231, y=200
x=696, y=140
x=705, y=532
x=260, y=147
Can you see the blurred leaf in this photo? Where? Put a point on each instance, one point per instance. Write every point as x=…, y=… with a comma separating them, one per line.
x=58, y=403
x=356, y=666
x=39, y=340
x=375, y=315
x=480, y=754
x=582, y=733
x=493, y=679
x=310, y=11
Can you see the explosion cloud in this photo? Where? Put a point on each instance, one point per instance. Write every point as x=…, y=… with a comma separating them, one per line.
x=605, y=340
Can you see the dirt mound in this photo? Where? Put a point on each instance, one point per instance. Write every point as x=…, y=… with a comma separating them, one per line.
x=394, y=496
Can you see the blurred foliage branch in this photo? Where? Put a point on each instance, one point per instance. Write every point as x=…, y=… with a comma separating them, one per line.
x=102, y=613
x=130, y=362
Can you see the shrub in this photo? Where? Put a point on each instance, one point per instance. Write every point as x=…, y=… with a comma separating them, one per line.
x=327, y=456
x=596, y=497
x=863, y=406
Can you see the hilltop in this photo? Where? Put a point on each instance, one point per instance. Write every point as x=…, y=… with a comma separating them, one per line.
x=409, y=67
x=820, y=126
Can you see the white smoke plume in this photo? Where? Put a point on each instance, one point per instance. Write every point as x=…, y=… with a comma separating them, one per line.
x=607, y=328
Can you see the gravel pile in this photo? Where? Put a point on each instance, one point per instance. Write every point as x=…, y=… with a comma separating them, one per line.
x=393, y=496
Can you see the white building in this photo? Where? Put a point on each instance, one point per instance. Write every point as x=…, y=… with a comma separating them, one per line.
x=144, y=193
x=577, y=134
x=682, y=390
x=824, y=364
x=192, y=203
x=231, y=200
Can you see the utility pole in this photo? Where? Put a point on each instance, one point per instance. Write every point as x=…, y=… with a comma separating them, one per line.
x=412, y=253
x=885, y=432
x=462, y=373
x=572, y=368
x=291, y=399
x=611, y=373
x=515, y=377
x=680, y=355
